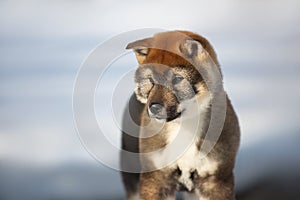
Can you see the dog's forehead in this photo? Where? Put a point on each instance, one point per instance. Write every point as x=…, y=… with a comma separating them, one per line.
x=166, y=57
x=155, y=69
x=168, y=42
x=164, y=49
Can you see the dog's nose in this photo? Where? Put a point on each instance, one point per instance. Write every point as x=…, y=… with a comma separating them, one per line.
x=156, y=108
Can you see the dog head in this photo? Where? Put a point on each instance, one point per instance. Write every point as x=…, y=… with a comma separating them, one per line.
x=166, y=79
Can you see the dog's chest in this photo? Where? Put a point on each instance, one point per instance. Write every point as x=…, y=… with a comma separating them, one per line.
x=191, y=162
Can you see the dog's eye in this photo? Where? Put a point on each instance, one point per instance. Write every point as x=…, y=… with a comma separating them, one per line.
x=151, y=80
x=177, y=79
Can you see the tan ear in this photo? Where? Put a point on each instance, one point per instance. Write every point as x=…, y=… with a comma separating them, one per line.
x=206, y=46
x=192, y=48
x=140, y=48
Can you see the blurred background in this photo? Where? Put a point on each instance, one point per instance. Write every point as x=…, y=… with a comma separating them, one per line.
x=43, y=43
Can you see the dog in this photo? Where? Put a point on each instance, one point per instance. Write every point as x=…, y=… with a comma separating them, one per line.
x=177, y=82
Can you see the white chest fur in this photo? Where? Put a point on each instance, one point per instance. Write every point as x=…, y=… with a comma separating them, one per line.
x=191, y=162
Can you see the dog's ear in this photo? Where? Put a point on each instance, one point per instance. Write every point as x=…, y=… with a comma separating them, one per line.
x=140, y=48
x=197, y=46
x=192, y=48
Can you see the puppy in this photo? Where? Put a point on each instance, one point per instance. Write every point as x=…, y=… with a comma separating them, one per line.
x=178, y=105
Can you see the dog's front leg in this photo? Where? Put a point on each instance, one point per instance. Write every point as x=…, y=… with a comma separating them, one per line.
x=214, y=188
x=155, y=187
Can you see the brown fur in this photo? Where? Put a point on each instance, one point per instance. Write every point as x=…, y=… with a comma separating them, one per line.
x=154, y=84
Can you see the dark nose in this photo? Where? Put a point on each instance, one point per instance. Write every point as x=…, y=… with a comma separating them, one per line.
x=156, y=108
